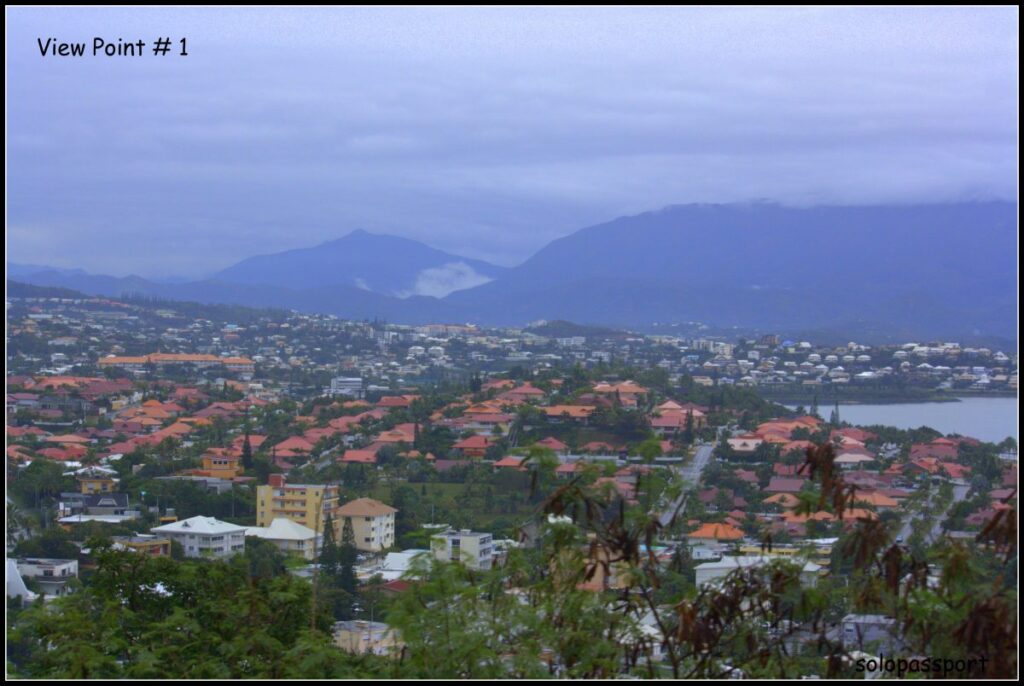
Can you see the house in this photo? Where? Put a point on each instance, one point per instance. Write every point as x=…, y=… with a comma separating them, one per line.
x=96, y=504
x=552, y=443
x=877, y=500
x=710, y=572
x=290, y=538
x=391, y=402
x=940, y=448
x=745, y=444
x=852, y=458
x=473, y=549
x=395, y=565
x=513, y=462
x=96, y=480
x=51, y=575
x=221, y=464
x=290, y=447
x=360, y=637
x=717, y=532
x=474, y=446
x=567, y=470
x=868, y=631
x=523, y=393
x=205, y=537
x=373, y=523
x=782, y=484
x=144, y=544
x=573, y=413
x=359, y=457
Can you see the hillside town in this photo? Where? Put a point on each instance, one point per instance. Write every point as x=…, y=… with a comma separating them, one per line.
x=351, y=455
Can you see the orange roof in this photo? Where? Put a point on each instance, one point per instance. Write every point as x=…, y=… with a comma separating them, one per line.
x=510, y=461
x=624, y=387
x=793, y=518
x=574, y=411
x=70, y=438
x=721, y=532
x=484, y=408
x=365, y=507
x=877, y=499
x=360, y=456
x=122, y=360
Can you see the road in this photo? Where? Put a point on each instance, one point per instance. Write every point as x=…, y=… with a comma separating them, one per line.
x=959, y=494
x=691, y=475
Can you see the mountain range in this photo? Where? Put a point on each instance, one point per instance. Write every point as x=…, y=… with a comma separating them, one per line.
x=912, y=271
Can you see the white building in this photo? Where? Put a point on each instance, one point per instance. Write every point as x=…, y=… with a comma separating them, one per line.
x=864, y=631
x=291, y=538
x=51, y=575
x=351, y=386
x=205, y=537
x=713, y=571
x=395, y=565
x=473, y=549
x=16, y=587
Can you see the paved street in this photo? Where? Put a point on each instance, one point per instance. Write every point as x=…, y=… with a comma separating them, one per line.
x=691, y=474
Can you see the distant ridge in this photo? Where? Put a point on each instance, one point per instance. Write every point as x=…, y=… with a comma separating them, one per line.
x=388, y=265
x=913, y=271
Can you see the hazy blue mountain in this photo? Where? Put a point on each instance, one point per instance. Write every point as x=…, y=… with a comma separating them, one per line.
x=927, y=270
x=923, y=271
x=383, y=264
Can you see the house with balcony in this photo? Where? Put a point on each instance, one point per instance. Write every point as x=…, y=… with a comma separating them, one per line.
x=205, y=537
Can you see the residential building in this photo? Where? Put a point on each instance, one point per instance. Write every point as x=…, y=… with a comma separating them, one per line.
x=870, y=631
x=305, y=504
x=360, y=637
x=205, y=537
x=473, y=549
x=145, y=544
x=347, y=386
x=373, y=523
x=289, y=537
x=51, y=575
x=713, y=571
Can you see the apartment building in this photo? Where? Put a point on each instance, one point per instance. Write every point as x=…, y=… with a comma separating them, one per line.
x=305, y=504
x=373, y=523
x=471, y=548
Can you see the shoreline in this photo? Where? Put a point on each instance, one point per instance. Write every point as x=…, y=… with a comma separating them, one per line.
x=827, y=402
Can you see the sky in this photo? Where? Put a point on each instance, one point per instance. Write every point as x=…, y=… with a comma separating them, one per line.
x=484, y=132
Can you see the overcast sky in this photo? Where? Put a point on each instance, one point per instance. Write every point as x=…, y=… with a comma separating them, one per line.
x=485, y=132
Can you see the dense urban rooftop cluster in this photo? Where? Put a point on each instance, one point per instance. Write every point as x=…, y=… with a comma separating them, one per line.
x=346, y=457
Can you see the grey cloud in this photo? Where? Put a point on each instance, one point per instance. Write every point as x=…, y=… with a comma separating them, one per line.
x=486, y=132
